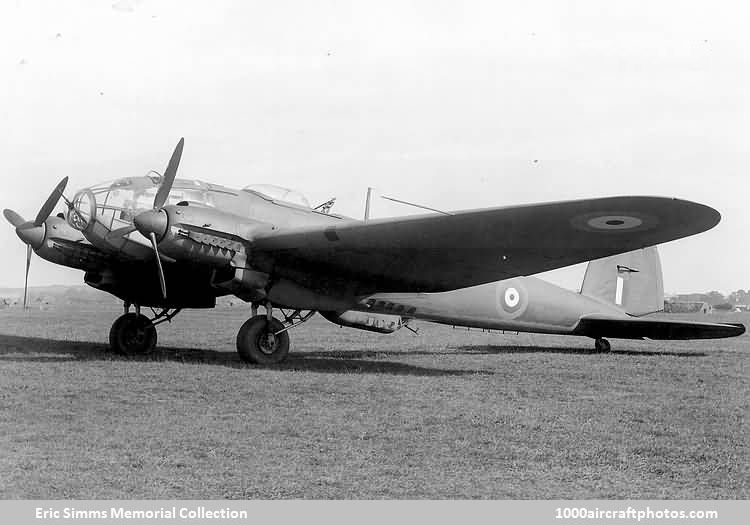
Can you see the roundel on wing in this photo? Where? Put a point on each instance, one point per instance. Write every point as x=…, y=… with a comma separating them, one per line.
x=614, y=222
x=512, y=298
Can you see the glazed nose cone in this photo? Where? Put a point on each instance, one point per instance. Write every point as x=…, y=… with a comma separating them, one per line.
x=30, y=234
x=151, y=221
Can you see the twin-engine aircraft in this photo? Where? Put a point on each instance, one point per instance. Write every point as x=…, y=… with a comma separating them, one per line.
x=166, y=243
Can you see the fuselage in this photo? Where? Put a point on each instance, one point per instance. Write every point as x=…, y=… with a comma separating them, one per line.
x=521, y=304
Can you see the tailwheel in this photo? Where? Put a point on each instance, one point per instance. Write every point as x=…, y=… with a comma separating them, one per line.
x=132, y=334
x=263, y=340
x=602, y=345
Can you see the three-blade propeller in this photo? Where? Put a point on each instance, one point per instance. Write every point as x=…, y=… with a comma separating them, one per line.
x=32, y=233
x=144, y=221
x=160, y=199
x=152, y=223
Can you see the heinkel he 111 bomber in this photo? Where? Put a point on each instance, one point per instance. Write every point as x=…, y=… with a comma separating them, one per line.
x=167, y=244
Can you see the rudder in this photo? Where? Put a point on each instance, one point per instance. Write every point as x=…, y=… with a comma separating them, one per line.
x=631, y=281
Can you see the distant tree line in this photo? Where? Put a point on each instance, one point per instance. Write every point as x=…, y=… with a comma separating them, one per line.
x=718, y=300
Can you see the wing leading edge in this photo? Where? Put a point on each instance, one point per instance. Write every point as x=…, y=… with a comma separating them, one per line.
x=433, y=253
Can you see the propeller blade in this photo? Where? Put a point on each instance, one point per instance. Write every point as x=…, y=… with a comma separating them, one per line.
x=162, y=281
x=169, y=175
x=26, y=280
x=51, y=202
x=13, y=218
x=119, y=232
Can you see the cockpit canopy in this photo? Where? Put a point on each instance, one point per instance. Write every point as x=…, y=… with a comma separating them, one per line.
x=114, y=203
x=277, y=193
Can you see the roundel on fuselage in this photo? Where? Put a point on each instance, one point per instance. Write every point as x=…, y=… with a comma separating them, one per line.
x=512, y=298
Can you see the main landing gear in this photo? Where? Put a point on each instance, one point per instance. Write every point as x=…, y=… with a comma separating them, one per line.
x=135, y=334
x=264, y=340
x=602, y=345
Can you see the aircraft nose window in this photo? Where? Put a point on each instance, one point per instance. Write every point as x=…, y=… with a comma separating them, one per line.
x=84, y=207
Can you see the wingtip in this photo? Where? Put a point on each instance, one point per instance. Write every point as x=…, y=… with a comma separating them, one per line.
x=713, y=217
x=702, y=216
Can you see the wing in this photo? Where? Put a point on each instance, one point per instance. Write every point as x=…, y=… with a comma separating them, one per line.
x=433, y=253
x=636, y=328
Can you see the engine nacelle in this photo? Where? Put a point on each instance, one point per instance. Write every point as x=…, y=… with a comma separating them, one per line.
x=204, y=235
x=381, y=323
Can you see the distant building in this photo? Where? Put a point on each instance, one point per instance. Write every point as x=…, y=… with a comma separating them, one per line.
x=687, y=307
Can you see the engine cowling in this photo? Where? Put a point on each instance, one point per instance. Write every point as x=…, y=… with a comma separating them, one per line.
x=200, y=234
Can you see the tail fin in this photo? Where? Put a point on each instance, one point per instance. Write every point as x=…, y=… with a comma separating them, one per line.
x=631, y=281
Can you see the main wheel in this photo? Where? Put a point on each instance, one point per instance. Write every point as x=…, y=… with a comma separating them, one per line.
x=257, y=341
x=132, y=334
x=602, y=345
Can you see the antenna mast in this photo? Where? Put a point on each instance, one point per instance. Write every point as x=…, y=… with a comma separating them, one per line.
x=367, y=204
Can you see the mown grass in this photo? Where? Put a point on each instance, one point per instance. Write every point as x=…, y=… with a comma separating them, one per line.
x=447, y=414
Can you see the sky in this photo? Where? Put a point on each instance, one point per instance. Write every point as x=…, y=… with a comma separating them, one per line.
x=454, y=105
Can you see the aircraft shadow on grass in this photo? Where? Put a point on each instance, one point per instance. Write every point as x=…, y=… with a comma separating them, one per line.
x=503, y=349
x=39, y=350
x=511, y=349
x=28, y=349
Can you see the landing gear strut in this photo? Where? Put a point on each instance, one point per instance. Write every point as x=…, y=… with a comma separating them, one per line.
x=264, y=340
x=602, y=345
x=135, y=334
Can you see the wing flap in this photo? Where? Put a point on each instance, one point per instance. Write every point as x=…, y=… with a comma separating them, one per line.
x=432, y=253
x=660, y=329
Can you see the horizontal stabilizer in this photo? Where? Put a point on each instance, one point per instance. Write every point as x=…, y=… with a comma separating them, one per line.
x=638, y=328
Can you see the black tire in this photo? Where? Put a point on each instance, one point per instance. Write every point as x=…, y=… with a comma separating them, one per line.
x=602, y=345
x=132, y=334
x=255, y=346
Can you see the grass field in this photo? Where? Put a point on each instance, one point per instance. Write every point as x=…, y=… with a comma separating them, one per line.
x=446, y=414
